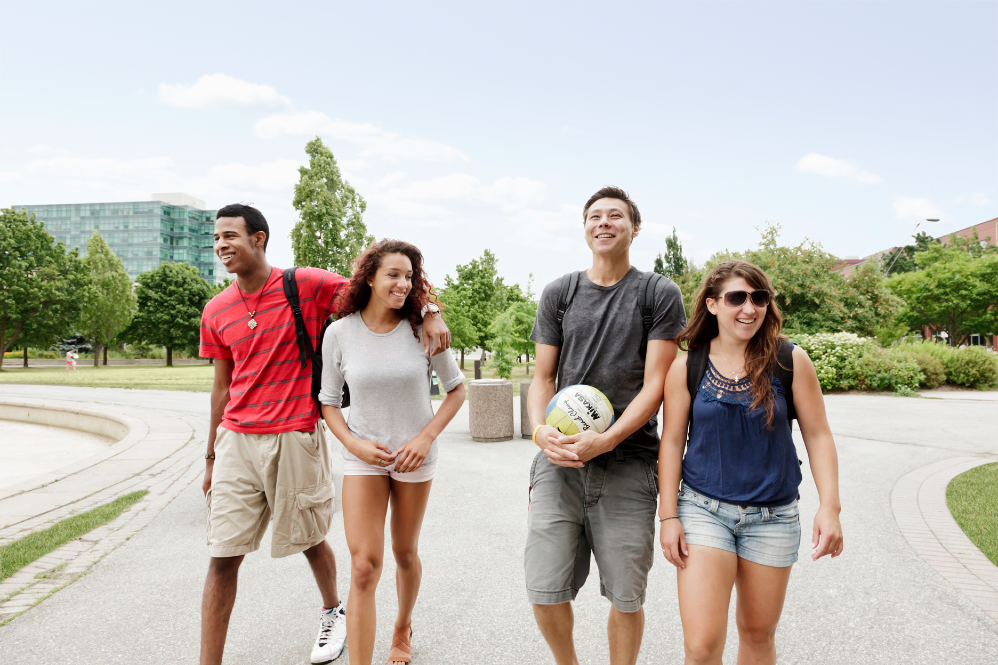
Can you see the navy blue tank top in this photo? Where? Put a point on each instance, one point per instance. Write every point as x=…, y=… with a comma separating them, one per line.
x=731, y=456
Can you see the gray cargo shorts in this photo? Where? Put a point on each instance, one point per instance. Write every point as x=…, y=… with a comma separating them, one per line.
x=608, y=508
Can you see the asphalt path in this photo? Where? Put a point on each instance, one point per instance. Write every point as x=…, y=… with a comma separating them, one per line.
x=877, y=603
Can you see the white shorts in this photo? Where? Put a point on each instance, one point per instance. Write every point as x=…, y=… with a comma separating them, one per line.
x=353, y=467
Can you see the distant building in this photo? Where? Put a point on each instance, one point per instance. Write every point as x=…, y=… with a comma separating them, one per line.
x=987, y=232
x=171, y=227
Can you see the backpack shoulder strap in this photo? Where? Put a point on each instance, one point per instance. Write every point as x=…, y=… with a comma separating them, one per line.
x=696, y=367
x=569, y=283
x=305, y=350
x=784, y=371
x=646, y=297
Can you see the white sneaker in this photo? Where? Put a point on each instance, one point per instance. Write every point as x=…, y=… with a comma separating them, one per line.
x=332, y=635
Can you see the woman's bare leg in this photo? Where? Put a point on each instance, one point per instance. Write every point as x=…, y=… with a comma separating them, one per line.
x=365, y=504
x=761, y=592
x=408, y=507
x=704, y=595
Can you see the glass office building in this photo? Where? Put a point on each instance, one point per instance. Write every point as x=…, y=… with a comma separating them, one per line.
x=142, y=234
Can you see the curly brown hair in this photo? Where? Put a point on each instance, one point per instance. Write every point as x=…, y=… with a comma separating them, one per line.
x=357, y=293
x=760, y=356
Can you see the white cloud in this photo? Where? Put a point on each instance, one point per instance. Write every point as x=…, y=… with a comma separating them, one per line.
x=282, y=174
x=372, y=141
x=977, y=199
x=42, y=149
x=96, y=167
x=221, y=92
x=11, y=176
x=836, y=169
x=910, y=208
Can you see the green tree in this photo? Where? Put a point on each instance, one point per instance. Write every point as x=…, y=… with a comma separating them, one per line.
x=903, y=258
x=502, y=337
x=170, y=301
x=330, y=231
x=40, y=283
x=479, y=295
x=108, y=302
x=672, y=264
x=954, y=289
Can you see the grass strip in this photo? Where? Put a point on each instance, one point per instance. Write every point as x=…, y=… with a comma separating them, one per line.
x=973, y=501
x=22, y=552
x=196, y=378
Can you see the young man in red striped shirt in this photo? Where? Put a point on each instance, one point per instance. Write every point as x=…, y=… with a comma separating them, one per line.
x=267, y=456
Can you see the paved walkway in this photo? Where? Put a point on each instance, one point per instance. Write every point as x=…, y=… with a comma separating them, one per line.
x=878, y=603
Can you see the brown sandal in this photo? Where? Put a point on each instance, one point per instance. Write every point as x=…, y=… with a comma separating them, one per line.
x=401, y=651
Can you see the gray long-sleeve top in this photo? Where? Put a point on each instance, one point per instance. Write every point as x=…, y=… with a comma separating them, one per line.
x=389, y=379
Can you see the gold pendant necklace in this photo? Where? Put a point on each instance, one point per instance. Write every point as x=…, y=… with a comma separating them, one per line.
x=252, y=321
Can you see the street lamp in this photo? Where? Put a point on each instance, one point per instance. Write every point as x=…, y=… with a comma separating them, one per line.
x=901, y=248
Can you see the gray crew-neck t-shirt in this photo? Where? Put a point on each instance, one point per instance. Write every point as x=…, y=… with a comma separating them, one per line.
x=602, y=342
x=389, y=379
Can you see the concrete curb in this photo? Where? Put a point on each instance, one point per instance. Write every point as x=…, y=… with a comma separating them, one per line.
x=918, y=501
x=160, y=452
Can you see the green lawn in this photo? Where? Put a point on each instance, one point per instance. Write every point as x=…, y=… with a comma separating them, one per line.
x=196, y=378
x=973, y=500
x=18, y=554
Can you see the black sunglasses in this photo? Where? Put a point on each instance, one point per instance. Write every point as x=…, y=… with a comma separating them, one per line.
x=760, y=298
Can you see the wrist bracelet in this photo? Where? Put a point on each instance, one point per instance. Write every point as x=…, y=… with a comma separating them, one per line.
x=209, y=456
x=534, y=435
x=670, y=517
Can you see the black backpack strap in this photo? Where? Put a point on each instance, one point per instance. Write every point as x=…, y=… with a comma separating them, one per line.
x=569, y=283
x=784, y=371
x=305, y=350
x=646, y=298
x=696, y=367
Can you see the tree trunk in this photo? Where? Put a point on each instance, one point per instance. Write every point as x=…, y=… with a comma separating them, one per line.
x=96, y=356
x=25, y=356
x=462, y=360
x=169, y=356
x=105, y=355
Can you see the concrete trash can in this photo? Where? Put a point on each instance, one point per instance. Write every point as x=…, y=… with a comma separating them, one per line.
x=490, y=410
x=526, y=431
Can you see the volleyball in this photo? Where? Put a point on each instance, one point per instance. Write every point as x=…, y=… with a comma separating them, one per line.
x=578, y=409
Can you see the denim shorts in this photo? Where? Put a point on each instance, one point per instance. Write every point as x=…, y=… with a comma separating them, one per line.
x=605, y=510
x=767, y=536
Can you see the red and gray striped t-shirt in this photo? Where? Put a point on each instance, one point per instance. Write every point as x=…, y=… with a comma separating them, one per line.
x=270, y=392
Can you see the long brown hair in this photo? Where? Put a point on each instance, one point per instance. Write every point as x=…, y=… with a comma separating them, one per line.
x=760, y=356
x=357, y=293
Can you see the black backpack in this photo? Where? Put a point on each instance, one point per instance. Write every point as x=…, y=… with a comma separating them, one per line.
x=305, y=350
x=696, y=367
x=646, y=300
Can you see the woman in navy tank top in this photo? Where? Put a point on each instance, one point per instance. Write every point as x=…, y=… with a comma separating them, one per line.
x=735, y=521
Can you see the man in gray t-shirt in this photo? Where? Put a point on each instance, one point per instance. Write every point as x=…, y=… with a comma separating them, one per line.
x=590, y=493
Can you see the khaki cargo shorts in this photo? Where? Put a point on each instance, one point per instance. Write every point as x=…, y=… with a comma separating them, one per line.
x=256, y=476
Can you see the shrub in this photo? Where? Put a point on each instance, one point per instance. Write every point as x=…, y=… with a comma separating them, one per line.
x=833, y=355
x=886, y=370
x=932, y=369
x=973, y=366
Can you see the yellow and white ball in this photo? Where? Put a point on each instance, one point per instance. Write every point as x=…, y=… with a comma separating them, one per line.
x=578, y=409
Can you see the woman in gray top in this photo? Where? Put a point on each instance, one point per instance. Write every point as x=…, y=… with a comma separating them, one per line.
x=389, y=443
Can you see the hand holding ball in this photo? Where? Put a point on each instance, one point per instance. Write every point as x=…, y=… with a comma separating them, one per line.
x=578, y=409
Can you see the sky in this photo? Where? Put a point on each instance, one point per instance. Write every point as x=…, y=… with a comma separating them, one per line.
x=487, y=125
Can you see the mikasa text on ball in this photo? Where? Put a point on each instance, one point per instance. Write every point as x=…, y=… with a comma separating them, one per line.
x=578, y=409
